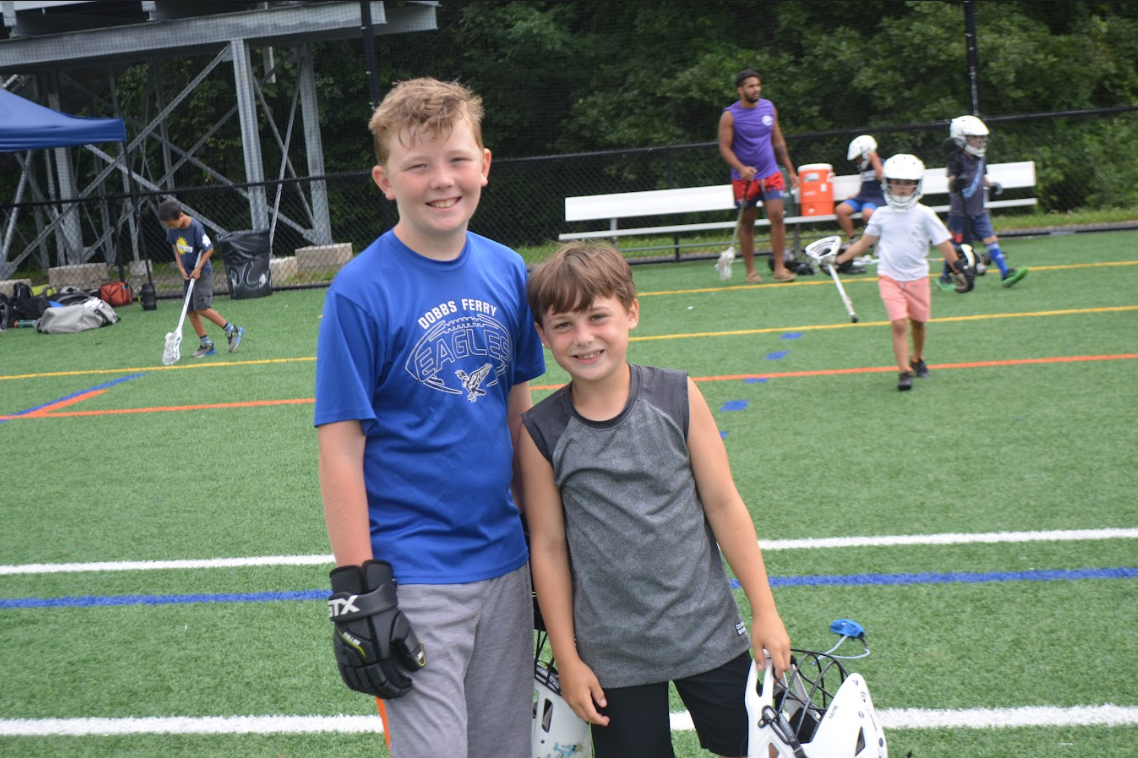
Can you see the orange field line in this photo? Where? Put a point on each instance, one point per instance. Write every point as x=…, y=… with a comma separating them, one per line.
x=163, y=409
x=45, y=412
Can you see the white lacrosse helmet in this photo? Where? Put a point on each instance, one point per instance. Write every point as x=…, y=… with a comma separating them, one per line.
x=903, y=167
x=861, y=146
x=963, y=127
x=557, y=731
x=816, y=711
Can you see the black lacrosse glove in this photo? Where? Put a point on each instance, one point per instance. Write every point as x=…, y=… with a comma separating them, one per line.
x=958, y=183
x=962, y=275
x=371, y=630
x=996, y=189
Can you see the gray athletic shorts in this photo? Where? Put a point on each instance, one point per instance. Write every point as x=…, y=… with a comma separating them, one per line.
x=203, y=291
x=475, y=696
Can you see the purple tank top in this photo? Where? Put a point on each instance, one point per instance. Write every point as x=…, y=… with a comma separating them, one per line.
x=752, y=141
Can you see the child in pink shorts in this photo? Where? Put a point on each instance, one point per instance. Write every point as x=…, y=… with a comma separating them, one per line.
x=902, y=232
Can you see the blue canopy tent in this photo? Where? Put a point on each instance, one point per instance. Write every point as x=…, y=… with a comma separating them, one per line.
x=25, y=125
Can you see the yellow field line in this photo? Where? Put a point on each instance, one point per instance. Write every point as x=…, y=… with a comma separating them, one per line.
x=824, y=280
x=741, y=332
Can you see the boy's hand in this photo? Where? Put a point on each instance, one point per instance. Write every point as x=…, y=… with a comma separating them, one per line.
x=996, y=189
x=769, y=633
x=370, y=628
x=582, y=691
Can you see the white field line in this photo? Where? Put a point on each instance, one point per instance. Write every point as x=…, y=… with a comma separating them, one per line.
x=905, y=718
x=1065, y=535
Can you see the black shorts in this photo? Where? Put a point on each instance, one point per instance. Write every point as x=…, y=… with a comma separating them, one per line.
x=640, y=725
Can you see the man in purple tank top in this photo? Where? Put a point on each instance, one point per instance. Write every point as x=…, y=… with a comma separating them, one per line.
x=751, y=142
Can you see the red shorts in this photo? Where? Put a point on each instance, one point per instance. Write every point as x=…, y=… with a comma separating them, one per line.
x=905, y=299
x=772, y=187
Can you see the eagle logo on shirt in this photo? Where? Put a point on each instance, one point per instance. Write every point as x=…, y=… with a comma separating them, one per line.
x=471, y=382
x=462, y=355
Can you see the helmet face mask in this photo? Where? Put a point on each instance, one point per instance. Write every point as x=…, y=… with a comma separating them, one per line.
x=970, y=134
x=819, y=710
x=902, y=182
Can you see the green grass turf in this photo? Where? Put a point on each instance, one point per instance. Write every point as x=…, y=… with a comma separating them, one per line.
x=1030, y=446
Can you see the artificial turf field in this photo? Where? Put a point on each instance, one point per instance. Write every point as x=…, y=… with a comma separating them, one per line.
x=981, y=527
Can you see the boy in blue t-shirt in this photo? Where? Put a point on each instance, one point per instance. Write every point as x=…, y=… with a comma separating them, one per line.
x=192, y=251
x=425, y=351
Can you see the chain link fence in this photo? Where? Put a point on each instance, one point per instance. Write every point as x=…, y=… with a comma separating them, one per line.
x=1090, y=188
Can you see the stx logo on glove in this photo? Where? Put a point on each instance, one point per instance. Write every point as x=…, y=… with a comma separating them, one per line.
x=337, y=606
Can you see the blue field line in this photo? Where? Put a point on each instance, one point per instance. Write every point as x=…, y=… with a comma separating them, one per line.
x=850, y=580
x=102, y=386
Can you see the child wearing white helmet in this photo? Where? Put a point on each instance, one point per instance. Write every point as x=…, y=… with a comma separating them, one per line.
x=869, y=197
x=902, y=231
x=966, y=169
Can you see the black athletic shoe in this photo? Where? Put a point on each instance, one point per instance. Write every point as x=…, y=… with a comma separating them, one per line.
x=905, y=381
x=920, y=368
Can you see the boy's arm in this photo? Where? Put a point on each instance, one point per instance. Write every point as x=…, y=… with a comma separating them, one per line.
x=734, y=531
x=205, y=256
x=520, y=400
x=865, y=242
x=341, y=467
x=549, y=561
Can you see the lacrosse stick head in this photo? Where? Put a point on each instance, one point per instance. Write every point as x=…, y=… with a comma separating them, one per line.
x=816, y=708
x=557, y=731
x=172, y=353
x=723, y=265
x=824, y=248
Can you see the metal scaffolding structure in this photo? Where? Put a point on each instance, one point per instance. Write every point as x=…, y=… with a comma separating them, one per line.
x=53, y=52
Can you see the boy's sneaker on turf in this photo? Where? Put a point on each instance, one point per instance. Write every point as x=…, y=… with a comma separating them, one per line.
x=920, y=368
x=235, y=337
x=905, y=381
x=1013, y=276
x=207, y=348
x=946, y=285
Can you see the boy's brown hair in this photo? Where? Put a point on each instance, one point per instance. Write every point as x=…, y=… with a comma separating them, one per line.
x=575, y=276
x=425, y=107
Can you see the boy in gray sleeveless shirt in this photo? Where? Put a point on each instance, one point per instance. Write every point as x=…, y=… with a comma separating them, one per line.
x=628, y=492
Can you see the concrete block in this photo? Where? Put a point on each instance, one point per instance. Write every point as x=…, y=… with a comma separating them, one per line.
x=7, y=285
x=282, y=270
x=326, y=258
x=87, y=276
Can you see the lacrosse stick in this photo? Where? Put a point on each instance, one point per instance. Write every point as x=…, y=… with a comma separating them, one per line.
x=727, y=257
x=823, y=253
x=173, y=350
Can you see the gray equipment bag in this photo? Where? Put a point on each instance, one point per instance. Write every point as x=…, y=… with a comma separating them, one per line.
x=90, y=314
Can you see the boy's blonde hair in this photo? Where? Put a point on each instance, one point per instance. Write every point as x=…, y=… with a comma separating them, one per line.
x=575, y=276
x=423, y=107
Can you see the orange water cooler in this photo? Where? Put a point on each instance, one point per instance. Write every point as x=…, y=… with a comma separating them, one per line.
x=816, y=189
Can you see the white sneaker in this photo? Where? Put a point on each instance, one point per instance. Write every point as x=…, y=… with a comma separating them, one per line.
x=723, y=265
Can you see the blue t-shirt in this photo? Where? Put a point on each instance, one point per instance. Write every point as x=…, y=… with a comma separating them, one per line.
x=424, y=354
x=970, y=200
x=189, y=242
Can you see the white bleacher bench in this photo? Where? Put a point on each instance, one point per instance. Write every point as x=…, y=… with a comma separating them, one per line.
x=719, y=197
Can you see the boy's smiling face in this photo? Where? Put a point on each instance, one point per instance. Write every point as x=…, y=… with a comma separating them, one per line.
x=437, y=182
x=591, y=344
